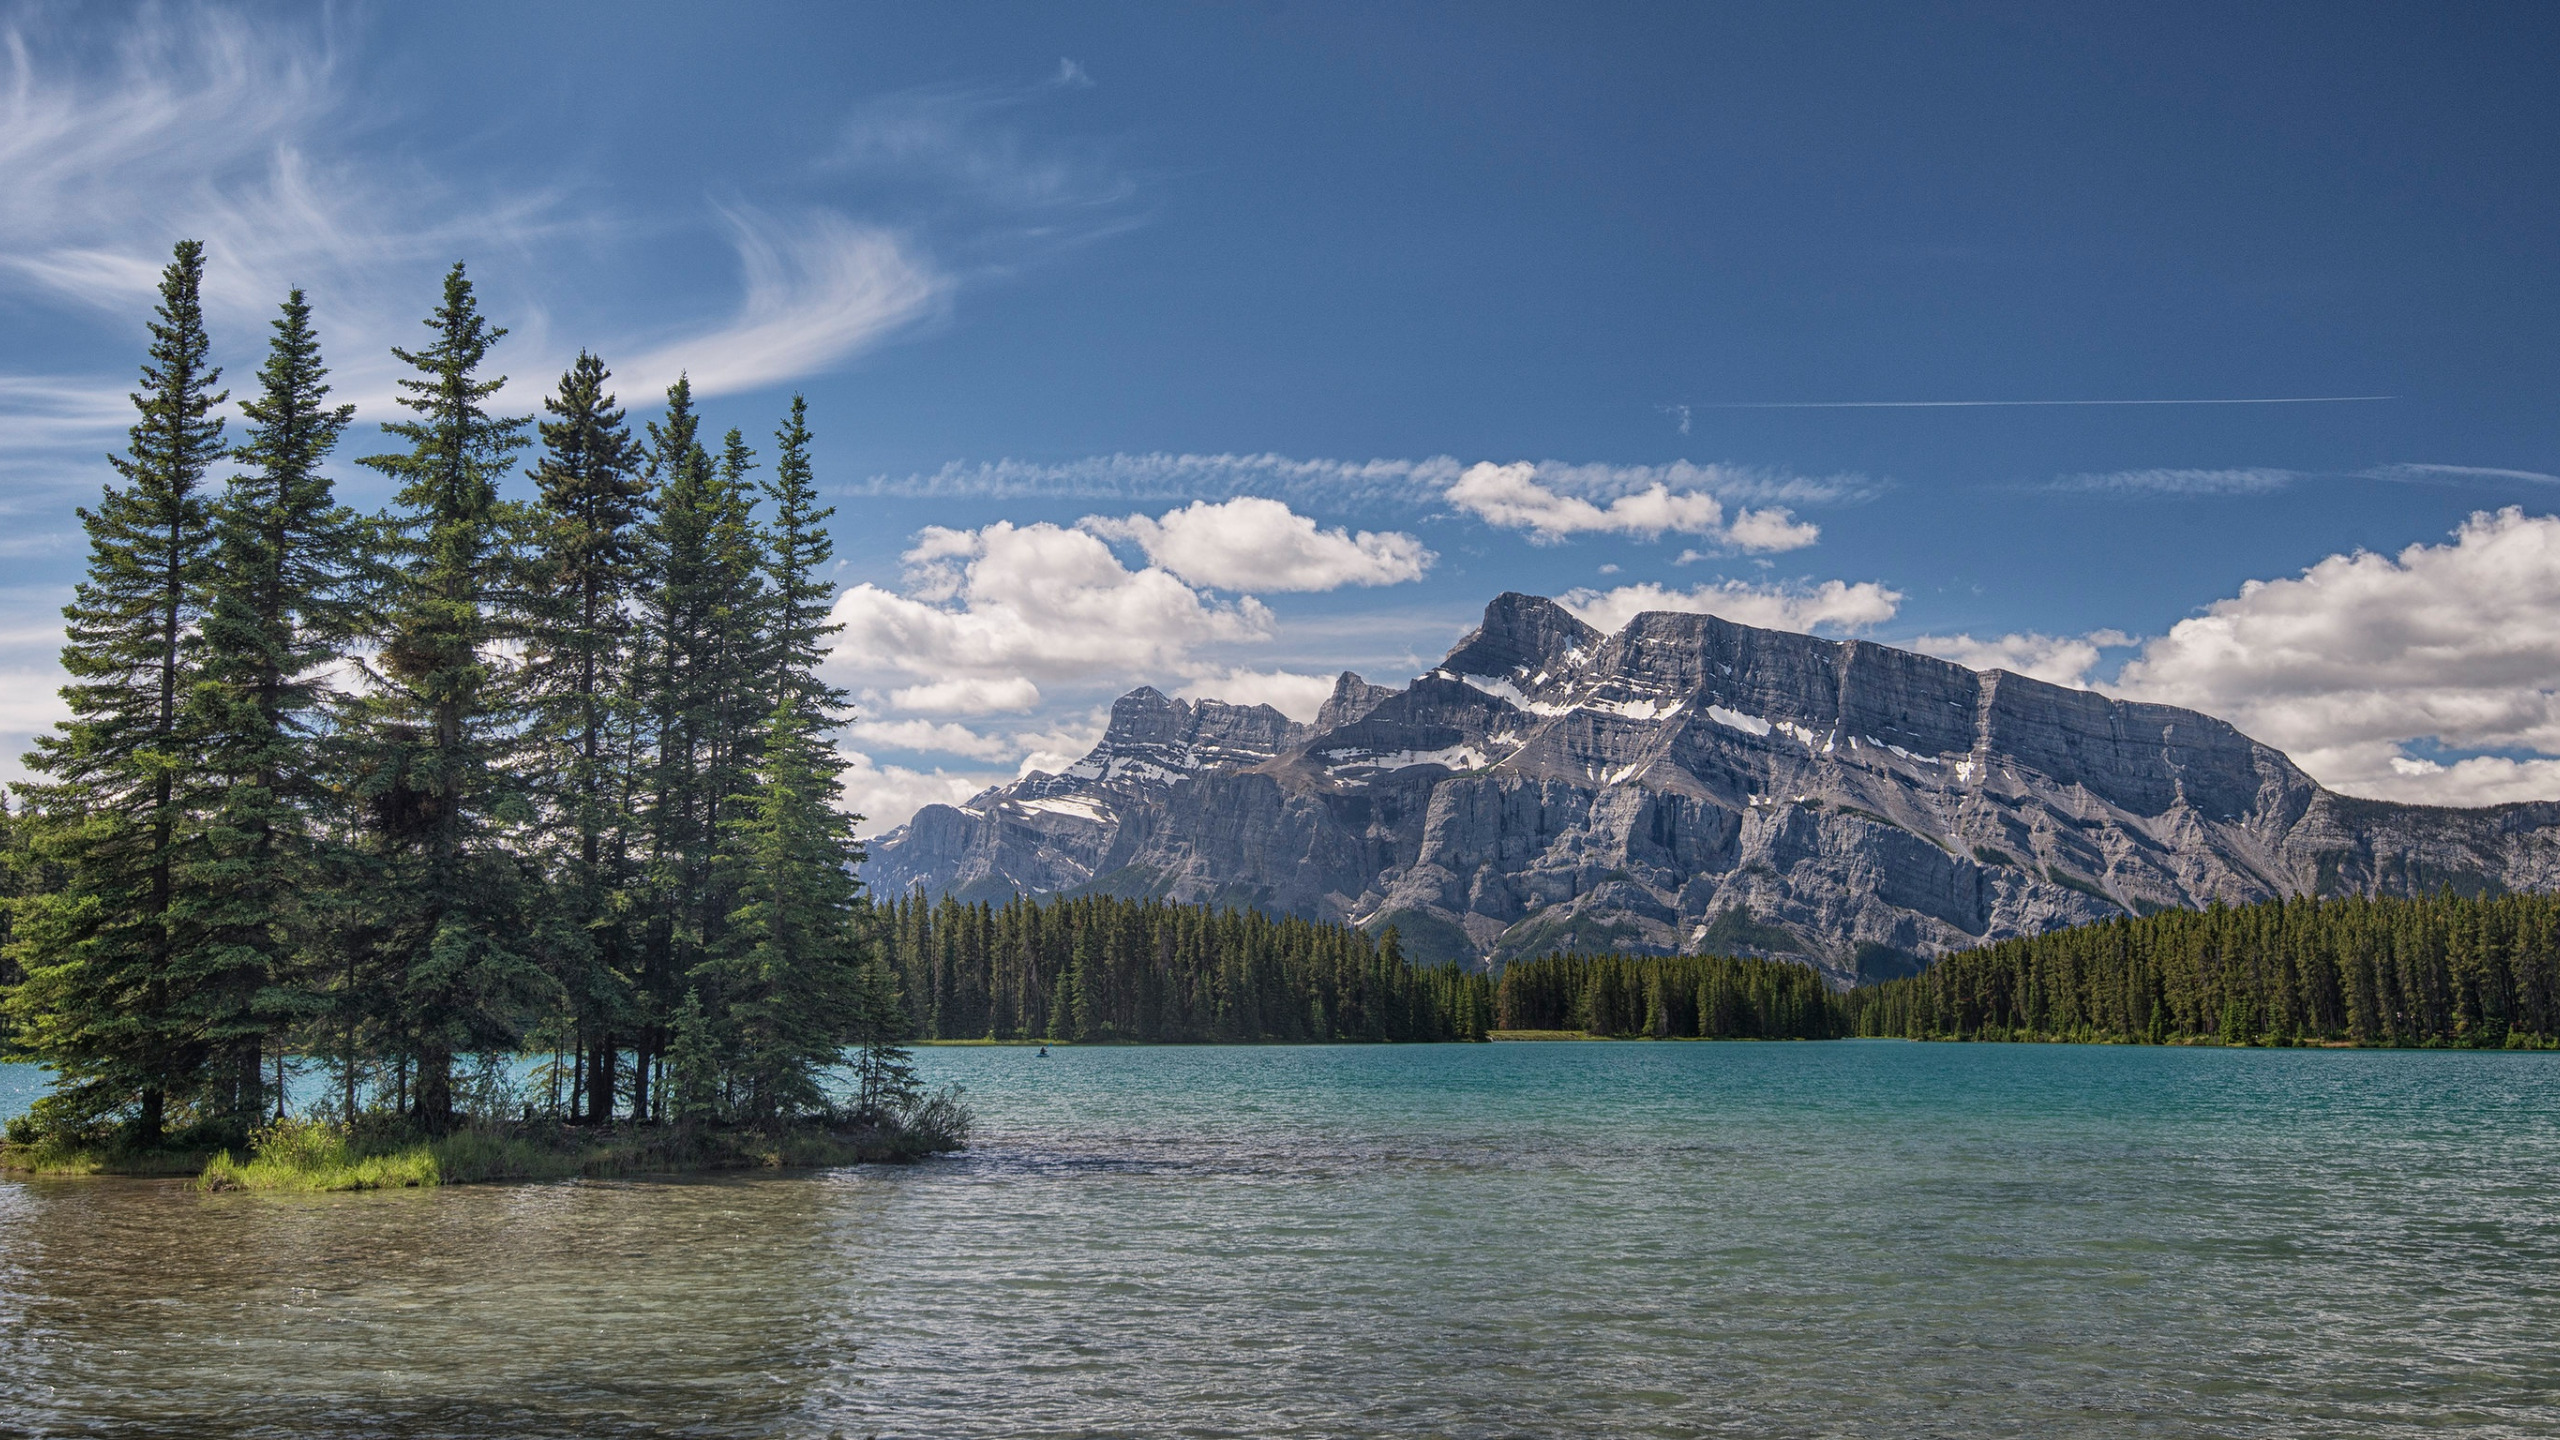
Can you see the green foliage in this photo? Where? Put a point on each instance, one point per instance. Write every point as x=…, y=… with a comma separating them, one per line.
x=1670, y=996
x=456, y=900
x=282, y=601
x=2478, y=971
x=100, y=999
x=1101, y=968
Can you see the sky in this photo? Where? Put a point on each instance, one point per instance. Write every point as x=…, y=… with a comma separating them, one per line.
x=2188, y=355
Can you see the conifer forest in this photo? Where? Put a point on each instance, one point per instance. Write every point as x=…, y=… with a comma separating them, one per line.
x=2476, y=972
x=479, y=775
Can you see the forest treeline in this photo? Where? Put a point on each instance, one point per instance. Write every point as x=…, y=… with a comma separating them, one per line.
x=1671, y=996
x=1100, y=968
x=476, y=775
x=2446, y=970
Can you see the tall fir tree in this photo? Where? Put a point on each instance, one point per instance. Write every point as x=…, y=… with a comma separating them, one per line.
x=459, y=917
x=98, y=1000
x=705, y=615
x=587, y=566
x=283, y=603
x=797, y=549
x=788, y=967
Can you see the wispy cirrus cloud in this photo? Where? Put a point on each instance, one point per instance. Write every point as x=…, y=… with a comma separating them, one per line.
x=2248, y=480
x=1410, y=483
x=819, y=288
x=2454, y=474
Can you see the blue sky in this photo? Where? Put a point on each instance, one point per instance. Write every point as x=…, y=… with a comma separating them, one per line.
x=1367, y=313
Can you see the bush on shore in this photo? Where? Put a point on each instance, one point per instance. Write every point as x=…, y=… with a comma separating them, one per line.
x=316, y=1155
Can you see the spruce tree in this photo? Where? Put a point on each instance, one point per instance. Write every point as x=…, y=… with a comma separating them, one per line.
x=283, y=603
x=797, y=549
x=789, y=965
x=458, y=901
x=704, y=615
x=98, y=1001
x=587, y=567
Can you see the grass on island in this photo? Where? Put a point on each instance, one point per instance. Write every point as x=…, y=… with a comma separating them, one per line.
x=310, y=1155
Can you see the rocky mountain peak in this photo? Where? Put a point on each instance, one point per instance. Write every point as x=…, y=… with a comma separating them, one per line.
x=1690, y=782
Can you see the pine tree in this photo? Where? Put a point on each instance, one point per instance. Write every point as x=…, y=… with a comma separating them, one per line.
x=797, y=549
x=586, y=570
x=704, y=612
x=98, y=1002
x=789, y=969
x=283, y=603
x=458, y=902
x=693, y=1064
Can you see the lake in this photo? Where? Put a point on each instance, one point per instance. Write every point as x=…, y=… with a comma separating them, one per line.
x=1849, y=1238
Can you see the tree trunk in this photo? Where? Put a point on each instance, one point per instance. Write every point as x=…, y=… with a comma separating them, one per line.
x=600, y=1082
x=640, y=1078
x=435, y=1091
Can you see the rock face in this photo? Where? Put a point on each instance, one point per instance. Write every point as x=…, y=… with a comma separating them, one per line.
x=1693, y=783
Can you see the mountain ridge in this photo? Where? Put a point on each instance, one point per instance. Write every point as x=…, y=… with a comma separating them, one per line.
x=1689, y=781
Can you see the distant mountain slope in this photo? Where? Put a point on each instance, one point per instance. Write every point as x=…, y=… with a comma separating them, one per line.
x=1692, y=782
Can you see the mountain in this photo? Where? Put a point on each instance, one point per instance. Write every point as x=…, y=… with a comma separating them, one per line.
x=1692, y=783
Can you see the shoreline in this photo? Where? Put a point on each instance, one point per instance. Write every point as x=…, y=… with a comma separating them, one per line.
x=310, y=1157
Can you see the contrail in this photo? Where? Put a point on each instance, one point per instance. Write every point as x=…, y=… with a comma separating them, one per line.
x=1983, y=404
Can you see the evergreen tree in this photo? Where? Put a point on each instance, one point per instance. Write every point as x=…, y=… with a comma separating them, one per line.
x=797, y=549
x=457, y=902
x=283, y=602
x=693, y=1065
x=789, y=967
x=706, y=678
x=586, y=571
x=99, y=1002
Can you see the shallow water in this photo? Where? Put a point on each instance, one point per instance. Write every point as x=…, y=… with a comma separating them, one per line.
x=1859, y=1238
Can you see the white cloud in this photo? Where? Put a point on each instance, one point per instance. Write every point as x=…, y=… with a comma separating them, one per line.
x=1163, y=475
x=1770, y=530
x=2444, y=473
x=1064, y=743
x=2346, y=665
x=1250, y=543
x=942, y=737
x=2061, y=659
x=2252, y=481
x=818, y=289
x=1513, y=497
x=888, y=796
x=968, y=695
x=1297, y=696
x=1032, y=602
x=1833, y=604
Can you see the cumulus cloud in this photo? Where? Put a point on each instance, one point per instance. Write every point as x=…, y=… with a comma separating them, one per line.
x=968, y=695
x=1251, y=543
x=940, y=737
x=2455, y=647
x=1031, y=602
x=1513, y=497
x=1297, y=696
x=2061, y=659
x=888, y=796
x=1833, y=604
x=1064, y=743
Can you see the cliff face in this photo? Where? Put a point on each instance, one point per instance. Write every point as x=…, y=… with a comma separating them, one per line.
x=1689, y=782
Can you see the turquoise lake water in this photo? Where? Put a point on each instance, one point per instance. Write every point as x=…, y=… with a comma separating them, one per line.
x=1854, y=1238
